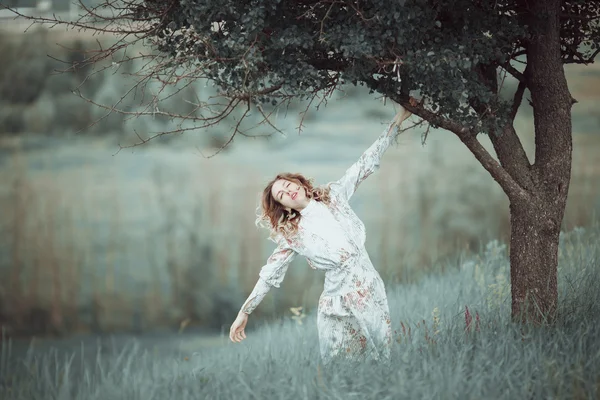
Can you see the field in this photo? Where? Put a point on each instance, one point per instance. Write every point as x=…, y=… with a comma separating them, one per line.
x=120, y=271
x=452, y=340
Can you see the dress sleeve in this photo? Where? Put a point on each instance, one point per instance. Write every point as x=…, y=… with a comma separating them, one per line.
x=271, y=275
x=365, y=166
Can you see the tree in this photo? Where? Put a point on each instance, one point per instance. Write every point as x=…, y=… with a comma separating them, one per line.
x=456, y=53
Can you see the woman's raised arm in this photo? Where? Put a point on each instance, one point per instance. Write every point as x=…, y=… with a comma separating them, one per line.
x=369, y=160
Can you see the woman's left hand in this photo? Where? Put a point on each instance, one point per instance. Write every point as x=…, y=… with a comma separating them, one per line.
x=403, y=114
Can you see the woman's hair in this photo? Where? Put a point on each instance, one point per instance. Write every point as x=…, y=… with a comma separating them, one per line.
x=273, y=216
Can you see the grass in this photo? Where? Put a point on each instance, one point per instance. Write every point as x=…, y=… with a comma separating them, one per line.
x=454, y=339
x=74, y=258
x=77, y=255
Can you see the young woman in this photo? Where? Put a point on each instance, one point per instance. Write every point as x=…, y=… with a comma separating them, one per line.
x=353, y=317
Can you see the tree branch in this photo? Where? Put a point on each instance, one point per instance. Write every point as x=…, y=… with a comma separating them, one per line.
x=579, y=18
x=517, y=100
x=514, y=72
x=507, y=145
x=572, y=60
x=512, y=189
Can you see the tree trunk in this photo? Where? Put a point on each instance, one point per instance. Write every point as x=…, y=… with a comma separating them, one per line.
x=534, y=260
x=535, y=224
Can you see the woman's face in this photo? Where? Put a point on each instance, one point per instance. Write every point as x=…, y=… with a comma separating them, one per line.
x=289, y=194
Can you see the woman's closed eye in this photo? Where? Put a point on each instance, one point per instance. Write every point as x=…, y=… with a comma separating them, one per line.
x=281, y=191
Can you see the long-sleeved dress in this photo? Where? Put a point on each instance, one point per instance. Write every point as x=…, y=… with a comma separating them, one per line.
x=353, y=317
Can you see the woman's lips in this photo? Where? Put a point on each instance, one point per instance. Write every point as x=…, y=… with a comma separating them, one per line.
x=294, y=195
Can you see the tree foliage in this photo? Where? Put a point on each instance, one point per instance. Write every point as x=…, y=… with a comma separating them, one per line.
x=259, y=52
x=456, y=54
x=268, y=51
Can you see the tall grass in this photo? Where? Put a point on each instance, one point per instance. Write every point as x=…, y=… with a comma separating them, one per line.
x=453, y=339
x=77, y=257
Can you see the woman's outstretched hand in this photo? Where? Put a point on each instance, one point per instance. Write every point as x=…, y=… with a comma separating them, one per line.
x=236, y=333
x=403, y=114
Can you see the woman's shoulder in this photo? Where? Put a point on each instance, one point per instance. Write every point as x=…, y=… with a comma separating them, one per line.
x=331, y=189
x=335, y=193
x=328, y=185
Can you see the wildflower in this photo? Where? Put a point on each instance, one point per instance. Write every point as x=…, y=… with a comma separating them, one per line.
x=298, y=314
x=436, y=320
x=468, y=319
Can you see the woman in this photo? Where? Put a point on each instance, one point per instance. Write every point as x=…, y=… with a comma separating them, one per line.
x=353, y=316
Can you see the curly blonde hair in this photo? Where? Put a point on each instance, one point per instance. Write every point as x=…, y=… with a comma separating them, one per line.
x=274, y=217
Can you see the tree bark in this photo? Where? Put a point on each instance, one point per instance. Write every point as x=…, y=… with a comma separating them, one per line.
x=535, y=225
x=533, y=261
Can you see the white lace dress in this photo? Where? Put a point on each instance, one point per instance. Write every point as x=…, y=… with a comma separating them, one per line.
x=353, y=315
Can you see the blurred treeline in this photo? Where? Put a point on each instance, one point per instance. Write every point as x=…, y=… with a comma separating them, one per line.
x=162, y=239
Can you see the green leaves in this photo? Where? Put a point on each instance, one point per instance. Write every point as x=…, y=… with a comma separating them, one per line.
x=580, y=30
x=313, y=46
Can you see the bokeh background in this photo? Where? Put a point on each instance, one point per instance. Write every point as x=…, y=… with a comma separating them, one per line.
x=161, y=237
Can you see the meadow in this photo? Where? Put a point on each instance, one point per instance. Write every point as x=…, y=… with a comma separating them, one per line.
x=99, y=240
x=453, y=339
x=153, y=239
x=120, y=271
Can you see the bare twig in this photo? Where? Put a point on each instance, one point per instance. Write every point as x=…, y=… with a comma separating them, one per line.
x=517, y=99
x=122, y=32
x=514, y=72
